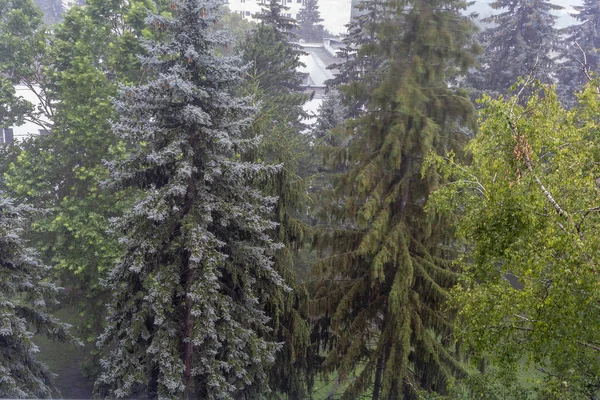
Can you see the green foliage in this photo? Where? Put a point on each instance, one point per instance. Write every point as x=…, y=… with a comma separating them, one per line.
x=330, y=143
x=237, y=26
x=273, y=82
x=381, y=292
x=489, y=385
x=273, y=63
x=23, y=39
x=282, y=144
x=272, y=14
x=90, y=53
x=362, y=58
x=527, y=209
x=77, y=71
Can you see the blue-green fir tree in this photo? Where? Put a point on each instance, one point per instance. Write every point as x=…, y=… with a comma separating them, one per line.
x=362, y=61
x=520, y=42
x=188, y=315
x=25, y=293
x=579, y=51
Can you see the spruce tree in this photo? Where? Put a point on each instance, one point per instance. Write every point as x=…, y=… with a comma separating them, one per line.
x=519, y=43
x=380, y=297
x=273, y=14
x=188, y=315
x=330, y=145
x=24, y=294
x=274, y=83
x=361, y=59
x=282, y=144
x=331, y=114
x=579, y=51
x=309, y=22
x=273, y=67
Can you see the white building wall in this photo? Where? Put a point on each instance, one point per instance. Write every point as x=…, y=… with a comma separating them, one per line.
x=28, y=128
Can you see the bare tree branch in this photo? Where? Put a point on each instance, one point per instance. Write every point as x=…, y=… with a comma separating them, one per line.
x=586, y=67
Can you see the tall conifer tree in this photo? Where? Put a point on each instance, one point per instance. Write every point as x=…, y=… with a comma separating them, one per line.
x=24, y=295
x=580, y=51
x=273, y=67
x=274, y=81
x=380, y=300
x=282, y=144
x=521, y=40
x=188, y=316
x=361, y=57
x=330, y=146
x=309, y=22
x=273, y=14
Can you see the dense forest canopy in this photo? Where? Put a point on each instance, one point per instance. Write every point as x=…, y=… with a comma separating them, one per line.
x=188, y=226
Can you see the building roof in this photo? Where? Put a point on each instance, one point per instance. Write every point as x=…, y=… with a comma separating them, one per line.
x=317, y=59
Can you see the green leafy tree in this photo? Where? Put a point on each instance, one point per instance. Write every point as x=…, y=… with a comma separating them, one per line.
x=382, y=290
x=521, y=40
x=24, y=294
x=88, y=55
x=580, y=51
x=188, y=317
x=492, y=385
x=309, y=22
x=23, y=39
x=527, y=210
x=237, y=26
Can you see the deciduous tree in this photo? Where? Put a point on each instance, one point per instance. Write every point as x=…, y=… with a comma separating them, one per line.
x=89, y=53
x=527, y=208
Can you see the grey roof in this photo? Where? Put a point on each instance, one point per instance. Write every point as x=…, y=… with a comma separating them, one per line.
x=317, y=59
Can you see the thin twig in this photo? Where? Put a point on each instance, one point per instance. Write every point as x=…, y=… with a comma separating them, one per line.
x=586, y=67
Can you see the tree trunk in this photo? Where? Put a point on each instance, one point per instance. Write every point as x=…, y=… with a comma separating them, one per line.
x=378, y=377
x=187, y=336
